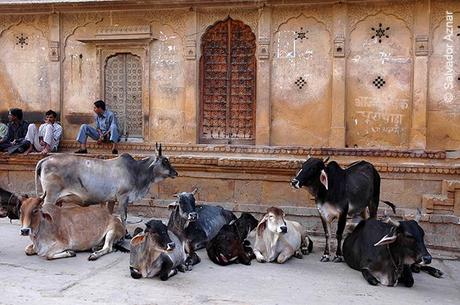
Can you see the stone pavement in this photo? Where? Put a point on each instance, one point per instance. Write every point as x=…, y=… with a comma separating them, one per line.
x=33, y=280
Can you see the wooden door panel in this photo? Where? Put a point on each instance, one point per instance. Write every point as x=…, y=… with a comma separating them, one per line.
x=227, y=86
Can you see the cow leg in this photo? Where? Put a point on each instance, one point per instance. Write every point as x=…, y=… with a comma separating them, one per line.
x=327, y=232
x=166, y=270
x=284, y=256
x=259, y=257
x=107, y=248
x=369, y=277
x=123, y=202
x=432, y=271
x=340, y=227
x=406, y=277
x=30, y=250
x=244, y=258
x=63, y=254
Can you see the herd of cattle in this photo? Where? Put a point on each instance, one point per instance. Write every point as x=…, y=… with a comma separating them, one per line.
x=65, y=219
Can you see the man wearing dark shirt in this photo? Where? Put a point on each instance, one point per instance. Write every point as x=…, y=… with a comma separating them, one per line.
x=17, y=130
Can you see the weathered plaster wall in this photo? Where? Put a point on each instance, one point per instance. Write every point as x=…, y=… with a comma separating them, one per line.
x=444, y=77
x=24, y=65
x=301, y=81
x=336, y=58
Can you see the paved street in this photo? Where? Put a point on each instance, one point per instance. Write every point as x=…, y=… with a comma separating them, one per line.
x=33, y=280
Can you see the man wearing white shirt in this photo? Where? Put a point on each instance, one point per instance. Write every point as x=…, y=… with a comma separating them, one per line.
x=46, y=138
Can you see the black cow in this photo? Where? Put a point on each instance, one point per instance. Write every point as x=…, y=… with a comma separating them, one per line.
x=196, y=225
x=340, y=192
x=157, y=252
x=385, y=250
x=228, y=246
x=10, y=204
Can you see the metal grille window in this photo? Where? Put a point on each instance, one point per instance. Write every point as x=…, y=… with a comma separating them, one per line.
x=228, y=84
x=123, y=92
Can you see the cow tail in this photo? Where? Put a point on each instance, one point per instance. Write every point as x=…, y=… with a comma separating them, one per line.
x=391, y=205
x=38, y=170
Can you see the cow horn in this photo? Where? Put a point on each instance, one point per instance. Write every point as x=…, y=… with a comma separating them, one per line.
x=327, y=159
x=194, y=191
x=418, y=216
x=392, y=222
x=43, y=196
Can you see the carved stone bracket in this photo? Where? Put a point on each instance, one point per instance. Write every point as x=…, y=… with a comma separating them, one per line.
x=339, y=46
x=264, y=48
x=54, y=51
x=190, y=49
x=421, y=45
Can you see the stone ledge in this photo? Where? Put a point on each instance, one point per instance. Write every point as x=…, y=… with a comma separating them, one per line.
x=294, y=151
x=252, y=164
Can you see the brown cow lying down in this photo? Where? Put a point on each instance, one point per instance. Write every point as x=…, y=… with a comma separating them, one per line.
x=158, y=252
x=57, y=232
x=278, y=239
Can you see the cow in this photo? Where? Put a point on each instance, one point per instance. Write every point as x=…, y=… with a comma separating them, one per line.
x=157, y=252
x=385, y=250
x=228, y=246
x=277, y=239
x=92, y=181
x=10, y=204
x=340, y=192
x=58, y=232
x=196, y=225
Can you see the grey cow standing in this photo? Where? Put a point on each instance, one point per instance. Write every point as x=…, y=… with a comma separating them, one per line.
x=93, y=181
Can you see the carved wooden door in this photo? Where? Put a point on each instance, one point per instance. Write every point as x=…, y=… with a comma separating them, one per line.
x=123, y=92
x=228, y=84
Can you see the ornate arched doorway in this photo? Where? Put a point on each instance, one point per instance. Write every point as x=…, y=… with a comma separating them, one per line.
x=228, y=84
x=123, y=92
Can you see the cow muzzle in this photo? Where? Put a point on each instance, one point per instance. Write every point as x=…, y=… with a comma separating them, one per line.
x=134, y=273
x=427, y=259
x=283, y=229
x=295, y=183
x=170, y=246
x=25, y=231
x=192, y=216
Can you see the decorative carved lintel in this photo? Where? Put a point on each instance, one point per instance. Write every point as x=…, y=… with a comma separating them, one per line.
x=190, y=49
x=120, y=34
x=421, y=45
x=54, y=50
x=264, y=48
x=339, y=46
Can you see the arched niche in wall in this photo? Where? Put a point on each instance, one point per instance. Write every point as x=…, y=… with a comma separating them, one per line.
x=24, y=68
x=301, y=83
x=167, y=85
x=379, y=83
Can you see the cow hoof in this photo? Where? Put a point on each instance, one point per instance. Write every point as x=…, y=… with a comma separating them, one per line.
x=373, y=282
x=92, y=257
x=338, y=259
x=438, y=274
x=325, y=258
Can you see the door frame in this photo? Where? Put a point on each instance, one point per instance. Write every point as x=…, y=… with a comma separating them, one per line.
x=104, y=52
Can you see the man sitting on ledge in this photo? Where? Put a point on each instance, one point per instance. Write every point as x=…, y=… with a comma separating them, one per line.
x=46, y=138
x=106, y=129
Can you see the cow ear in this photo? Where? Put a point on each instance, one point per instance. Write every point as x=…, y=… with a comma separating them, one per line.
x=323, y=179
x=137, y=240
x=173, y=205
x=47, y=216
x=262, y=225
